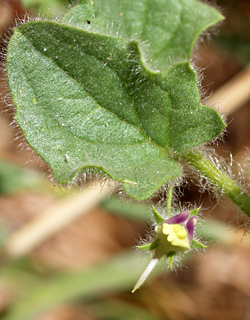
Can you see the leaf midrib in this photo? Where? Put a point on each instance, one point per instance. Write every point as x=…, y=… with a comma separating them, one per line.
x=96, y=143
x=149, y=140
x=68, y=129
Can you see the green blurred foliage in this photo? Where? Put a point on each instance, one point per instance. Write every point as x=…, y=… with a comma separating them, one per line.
x=14, y=178
x=49, y=8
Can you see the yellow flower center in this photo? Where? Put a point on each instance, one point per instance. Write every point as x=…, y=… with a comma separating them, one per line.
x=179, y=231
x=176, y=236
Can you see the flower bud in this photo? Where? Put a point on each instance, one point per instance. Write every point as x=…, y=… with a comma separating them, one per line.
x=173, y=235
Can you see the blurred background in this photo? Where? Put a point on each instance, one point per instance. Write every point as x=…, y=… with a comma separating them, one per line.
x=82, y=265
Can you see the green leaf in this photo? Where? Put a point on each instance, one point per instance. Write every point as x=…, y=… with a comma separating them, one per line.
x=197, y=245
x=76, y=117
x=149, y=246
x=170, y=259
x=166, y=30
x=87, y=100
x=158, y=218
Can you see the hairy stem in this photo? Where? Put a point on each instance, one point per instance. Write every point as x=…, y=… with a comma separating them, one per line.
x=226, y=185
x=169, y=199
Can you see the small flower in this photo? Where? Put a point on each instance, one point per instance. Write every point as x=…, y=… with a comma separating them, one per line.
x=173, y=235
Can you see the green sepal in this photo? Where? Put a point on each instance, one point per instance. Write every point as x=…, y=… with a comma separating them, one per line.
x=158, y=218
x=194, y=212
x=170, y=259
x=149, y=246
x=197, y=245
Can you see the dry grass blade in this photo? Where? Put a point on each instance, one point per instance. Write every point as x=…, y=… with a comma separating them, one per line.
x=234, y=94
x=55, y=218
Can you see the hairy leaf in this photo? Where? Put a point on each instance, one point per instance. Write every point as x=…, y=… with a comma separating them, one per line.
x=85, y=99
x=166, y=30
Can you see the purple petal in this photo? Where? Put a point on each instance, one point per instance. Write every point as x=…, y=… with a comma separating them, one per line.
x=190, y=228
x=179, y=218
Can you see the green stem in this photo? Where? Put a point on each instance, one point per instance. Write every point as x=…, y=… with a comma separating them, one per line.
x=219, y=179
x=169, y=199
